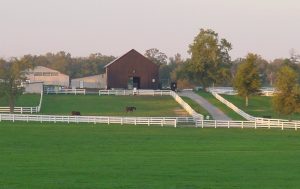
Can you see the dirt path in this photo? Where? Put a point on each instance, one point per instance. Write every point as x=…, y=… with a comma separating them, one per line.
x=216, y=113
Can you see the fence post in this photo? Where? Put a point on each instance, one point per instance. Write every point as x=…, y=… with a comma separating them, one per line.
x=255, y=124
x=108, y=120
x=202, y=121
x=135, y=121
x=0, y=117
x=148, y=122
x=242, y=125
x=121, y=120
x=95, y=120
x=269, y=124
x=175, y=124
x=228, y=124
x=295, y=125
x=162, y=122
x=281, y=125
x=215, y=123
x=13, y=117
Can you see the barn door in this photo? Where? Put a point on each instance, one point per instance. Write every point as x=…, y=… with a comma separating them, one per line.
x=136, y=82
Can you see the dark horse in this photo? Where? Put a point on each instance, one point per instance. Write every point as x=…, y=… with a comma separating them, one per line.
x=130, y=109
x=75, y=113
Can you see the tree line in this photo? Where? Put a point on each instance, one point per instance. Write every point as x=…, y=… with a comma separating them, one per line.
x=209, y=64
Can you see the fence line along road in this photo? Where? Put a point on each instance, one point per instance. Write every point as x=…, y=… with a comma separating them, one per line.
x=31, y=110
x=258, y=120
x=247, y=124
x=91, y=119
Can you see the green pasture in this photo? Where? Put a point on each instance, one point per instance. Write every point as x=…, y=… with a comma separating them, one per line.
x=112, y=105
x=28, y=100
x=258, y=106
x=64, y=156
x=230, y=113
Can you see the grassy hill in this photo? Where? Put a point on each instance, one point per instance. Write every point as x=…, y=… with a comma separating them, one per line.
x=99, y=156
x=112, y=105
x=24, y=100
x=258, y=106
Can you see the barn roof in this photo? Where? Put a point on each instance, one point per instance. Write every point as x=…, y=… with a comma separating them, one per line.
x=131, y=51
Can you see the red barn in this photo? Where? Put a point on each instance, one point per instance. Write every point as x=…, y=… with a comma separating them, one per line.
x=132, y=70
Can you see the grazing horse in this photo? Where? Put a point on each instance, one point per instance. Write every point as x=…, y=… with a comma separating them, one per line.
x=130, y=109
x=75, y=113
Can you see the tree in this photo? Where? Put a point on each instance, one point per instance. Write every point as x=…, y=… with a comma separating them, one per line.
x=247, y=81
x=11, y=77
x=287, y=97
x=156, y=56
x=209, y=58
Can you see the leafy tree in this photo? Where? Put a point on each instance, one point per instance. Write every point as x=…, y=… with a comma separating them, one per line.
x=156, y=56
x=209, y=58
x=247, y=81
x=287, y=98
x=12, y=75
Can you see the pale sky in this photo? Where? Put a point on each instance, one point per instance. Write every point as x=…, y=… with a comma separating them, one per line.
x=112, y=27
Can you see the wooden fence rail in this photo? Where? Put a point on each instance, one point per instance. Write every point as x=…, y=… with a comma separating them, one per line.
x=66, y=91
x=91, y=119
x=247, y=124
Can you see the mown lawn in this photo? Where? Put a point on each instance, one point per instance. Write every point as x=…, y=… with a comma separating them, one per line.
x=258, y=106
x=74, y=156
x=230, y=113
x=28, y=100
x=112, y=105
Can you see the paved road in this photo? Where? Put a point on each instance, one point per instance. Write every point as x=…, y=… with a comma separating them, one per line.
x=216, y=113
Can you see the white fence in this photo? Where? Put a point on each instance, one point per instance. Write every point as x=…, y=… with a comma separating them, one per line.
x=265, y=91
x=186, y=106
x=135, y=92
x=233, y=107
x=31, y=110
x=66, y=91
x=247, y=124
x=147, y=121
x=90, y=119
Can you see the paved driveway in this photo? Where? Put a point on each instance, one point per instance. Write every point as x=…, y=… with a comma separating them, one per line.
x=216, y=113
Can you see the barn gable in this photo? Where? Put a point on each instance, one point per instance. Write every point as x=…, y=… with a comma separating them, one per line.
x=132, y=70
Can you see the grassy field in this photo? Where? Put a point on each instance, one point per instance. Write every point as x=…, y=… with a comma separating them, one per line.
x=112, y=105
x=24, y=100
x=87, y=156
x=258, y=106
x=199, y=109
x=230, y=113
